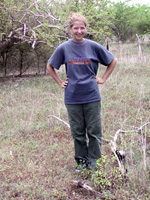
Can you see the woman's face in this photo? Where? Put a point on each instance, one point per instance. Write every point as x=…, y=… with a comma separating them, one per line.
x=78, y=31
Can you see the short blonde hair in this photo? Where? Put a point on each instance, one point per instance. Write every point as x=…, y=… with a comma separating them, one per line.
x=76, y=17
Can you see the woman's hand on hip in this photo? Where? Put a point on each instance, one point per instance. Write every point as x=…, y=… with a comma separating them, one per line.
x=64, y=84
x=99, y=80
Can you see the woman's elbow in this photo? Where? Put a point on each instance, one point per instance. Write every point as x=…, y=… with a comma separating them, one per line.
x=48, y=66
x=115, y=61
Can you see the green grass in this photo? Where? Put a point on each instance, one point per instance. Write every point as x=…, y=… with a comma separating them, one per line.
x=37, y=153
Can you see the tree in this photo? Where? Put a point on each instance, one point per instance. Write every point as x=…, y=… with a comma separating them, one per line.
x=99, y=17
x=25, y=21
x=130, y=20
x=26, y=24
x=32, y=24
x=122, y=26
x=36, y=22
x=142, y=20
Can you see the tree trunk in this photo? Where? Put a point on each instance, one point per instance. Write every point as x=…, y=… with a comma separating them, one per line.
x=21, y=62
x=45, y=70
x=4, y=56
x=13, y=70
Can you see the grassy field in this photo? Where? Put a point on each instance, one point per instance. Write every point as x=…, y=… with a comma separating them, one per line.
x=37, y=153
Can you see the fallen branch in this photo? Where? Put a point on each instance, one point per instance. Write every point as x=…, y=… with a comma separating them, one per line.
x=92, y=192
x=122, y=153
x=113, y=146
x=60, y=120
x=121, y=165
x=88, y=188
x=141, y=127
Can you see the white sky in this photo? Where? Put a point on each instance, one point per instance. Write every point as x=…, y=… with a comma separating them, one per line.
x=147, y=2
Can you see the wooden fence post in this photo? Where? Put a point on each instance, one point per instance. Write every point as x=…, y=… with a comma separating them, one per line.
x=140, y=49
x=107, y=45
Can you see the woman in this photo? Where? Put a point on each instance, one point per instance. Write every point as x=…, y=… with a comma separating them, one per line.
x=82, y=97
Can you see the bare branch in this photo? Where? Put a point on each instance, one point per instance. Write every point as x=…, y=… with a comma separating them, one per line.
x=60, y=120
x=89, y=189
x=114, y=145
x=121, y=166
x=27, y=10
x=12, y=33
x=24, y=29
x=36, y=5
x=34, y=41
x=45, y=11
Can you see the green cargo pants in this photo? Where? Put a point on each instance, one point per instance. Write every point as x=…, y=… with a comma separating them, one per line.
x=85, y=123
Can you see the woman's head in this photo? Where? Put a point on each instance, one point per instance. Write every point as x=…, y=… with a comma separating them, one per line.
x=77, y=24
x=76, y=17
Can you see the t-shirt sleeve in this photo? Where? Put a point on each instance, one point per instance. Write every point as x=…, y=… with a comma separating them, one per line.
x=103, y=55
x=56, y=59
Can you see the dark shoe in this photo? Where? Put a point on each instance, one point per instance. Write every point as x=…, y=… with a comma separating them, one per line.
x=83, y=164
x=78, y=168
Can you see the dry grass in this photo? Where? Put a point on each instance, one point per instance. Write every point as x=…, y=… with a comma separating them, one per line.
x=37, y=153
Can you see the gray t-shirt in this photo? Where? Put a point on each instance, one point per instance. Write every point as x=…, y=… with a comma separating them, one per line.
x=81, y=61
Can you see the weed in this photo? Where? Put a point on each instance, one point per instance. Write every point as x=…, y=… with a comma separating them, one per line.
x=107, y=174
